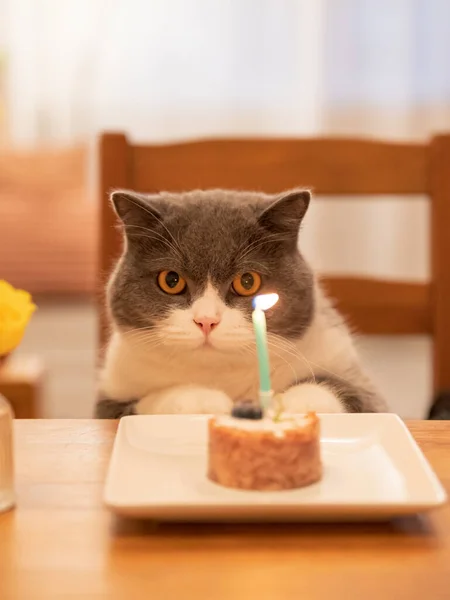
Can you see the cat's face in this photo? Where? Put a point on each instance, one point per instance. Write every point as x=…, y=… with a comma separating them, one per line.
x=193, y=263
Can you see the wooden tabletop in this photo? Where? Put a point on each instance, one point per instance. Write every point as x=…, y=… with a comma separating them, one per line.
x=60, y=542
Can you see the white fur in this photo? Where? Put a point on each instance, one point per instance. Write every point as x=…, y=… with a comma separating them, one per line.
x=309, y=396
x=177, y=372
x=186, y=399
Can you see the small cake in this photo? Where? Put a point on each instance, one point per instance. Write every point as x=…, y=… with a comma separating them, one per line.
x=254, y=453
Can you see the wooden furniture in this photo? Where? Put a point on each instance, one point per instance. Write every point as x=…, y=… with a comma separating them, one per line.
x=61, y=542
x=48, y=221
x=21, y=383
x=328, y=166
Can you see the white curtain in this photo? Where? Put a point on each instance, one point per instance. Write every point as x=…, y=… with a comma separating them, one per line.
x=179, y=68
x=172, y=69
x=386, y=67
x=162, y=69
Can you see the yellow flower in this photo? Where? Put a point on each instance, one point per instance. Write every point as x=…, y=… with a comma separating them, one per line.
x=16, y=308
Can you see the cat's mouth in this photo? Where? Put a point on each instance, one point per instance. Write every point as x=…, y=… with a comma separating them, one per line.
x=208, y=345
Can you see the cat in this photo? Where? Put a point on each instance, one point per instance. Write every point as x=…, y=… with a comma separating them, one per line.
x=180, y=304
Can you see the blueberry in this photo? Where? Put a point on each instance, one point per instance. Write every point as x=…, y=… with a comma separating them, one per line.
x=247, y=409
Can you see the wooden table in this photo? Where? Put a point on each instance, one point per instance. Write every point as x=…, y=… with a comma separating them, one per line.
x=60, y=543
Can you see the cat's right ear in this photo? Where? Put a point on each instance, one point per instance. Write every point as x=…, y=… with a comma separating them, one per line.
x=134, y=209
x=285, y=213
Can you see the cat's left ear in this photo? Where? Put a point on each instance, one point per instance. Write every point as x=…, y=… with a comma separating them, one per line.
x=135, y=210
x=285, y=214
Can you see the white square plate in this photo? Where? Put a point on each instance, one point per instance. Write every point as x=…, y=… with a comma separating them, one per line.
x=373, y=469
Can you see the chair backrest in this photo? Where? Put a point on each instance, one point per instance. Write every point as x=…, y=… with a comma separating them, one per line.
x=329, y=166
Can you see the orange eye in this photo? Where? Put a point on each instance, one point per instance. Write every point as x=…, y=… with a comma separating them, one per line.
x=171, y=282
x=247, y=284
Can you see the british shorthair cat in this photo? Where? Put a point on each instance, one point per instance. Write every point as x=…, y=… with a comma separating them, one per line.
x=180, y=303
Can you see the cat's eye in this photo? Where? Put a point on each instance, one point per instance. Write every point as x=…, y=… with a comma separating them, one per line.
x=171, y=282
x=247, y=284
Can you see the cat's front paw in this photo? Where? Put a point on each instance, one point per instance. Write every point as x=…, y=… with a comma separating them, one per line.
x=190, y=400
x=311, y=397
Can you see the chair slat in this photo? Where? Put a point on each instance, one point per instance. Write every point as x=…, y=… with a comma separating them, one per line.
x=383, y=307
x=328, y=166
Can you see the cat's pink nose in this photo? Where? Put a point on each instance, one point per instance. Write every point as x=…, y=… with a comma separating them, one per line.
x=207, y=324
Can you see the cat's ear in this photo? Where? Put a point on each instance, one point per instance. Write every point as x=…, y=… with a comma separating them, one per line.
x=286, y=212
x=134, y=209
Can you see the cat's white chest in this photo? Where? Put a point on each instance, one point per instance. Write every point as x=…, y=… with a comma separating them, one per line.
x=129, y=374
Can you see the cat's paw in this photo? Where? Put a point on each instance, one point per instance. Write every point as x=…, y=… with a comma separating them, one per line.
x=311, y=397
x=188, y=400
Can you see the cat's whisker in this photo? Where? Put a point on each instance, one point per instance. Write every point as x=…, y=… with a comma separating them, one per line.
x=156, y=236
x=250, y=245
x=146, y=334
x=147, y=210
x=296, y=354
x=319, y=366
x=139, y=328
x=282, y=339
x=262, y=269
x=167, y=329
x=244, y=331
x=176, y=243
x=179, y=339
x=143, y=331
x=249, y=349
x=289, y=365
x=296, y=351
x=147, y=343
x=258, y=243
x=151, y=234
x=141, y=342
x=141, y=335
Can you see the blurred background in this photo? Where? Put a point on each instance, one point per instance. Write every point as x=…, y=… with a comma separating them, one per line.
x=165, y=70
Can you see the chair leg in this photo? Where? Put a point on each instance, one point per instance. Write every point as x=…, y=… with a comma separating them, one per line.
x=440, y=409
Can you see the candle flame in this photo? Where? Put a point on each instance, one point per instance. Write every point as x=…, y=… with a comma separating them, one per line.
x=265, y=301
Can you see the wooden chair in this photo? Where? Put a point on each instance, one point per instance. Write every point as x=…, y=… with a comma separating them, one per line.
x=328, y=166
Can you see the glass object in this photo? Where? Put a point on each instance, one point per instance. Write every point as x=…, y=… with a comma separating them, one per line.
x=7, y=498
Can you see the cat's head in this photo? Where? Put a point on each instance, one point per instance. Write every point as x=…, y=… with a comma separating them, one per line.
x=193, y=262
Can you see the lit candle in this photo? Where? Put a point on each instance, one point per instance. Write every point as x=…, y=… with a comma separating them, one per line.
x=260, y=304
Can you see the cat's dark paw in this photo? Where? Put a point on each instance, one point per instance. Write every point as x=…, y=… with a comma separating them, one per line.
x=440, y=409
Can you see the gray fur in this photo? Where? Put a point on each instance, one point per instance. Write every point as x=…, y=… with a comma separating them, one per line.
x=114, y=409
x=211, y=235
